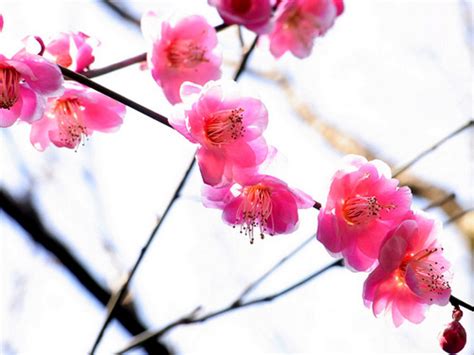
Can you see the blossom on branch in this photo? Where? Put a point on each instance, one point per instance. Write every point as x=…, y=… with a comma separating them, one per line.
x=412, y=272
x=363, y=204
x=182, y=51
x=26, y=81
x=228, y=127
x=253, y=14
x=299, y=22
x=72, y=117
x=72, y=50
x=261, y=204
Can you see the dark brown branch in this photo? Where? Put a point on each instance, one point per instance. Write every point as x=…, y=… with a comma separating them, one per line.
x=24, y=214
x=191, y=319
x=456, y=302
x=112, y=94
x=245, y=59
x=116, y=301
x=93, y=73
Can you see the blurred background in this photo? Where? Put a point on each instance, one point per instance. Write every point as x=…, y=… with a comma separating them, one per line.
x=389, y=80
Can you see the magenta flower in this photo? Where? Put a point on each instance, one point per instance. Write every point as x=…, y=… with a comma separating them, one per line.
x=26, y=80
x=412, y=272
x=262, y=202
x=74, y=116
x=363, y=204
x=72, y=50
x=228, y=127
x=253, y=14
x=299, y=22
x=185, y=51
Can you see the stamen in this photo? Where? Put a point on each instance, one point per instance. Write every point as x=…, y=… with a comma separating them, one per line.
x=255, y=211
x=225, y=126
x=362, y=210
x=68, y=113
x=185, y=53
x=9, y=87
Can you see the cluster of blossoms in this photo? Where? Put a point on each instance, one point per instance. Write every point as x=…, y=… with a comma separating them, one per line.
x=185, y=49
x=367, y=218
x=32, y=90
x=368, y=221
x=227, y=126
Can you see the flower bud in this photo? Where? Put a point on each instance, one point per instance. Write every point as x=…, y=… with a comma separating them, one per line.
x=453, y=338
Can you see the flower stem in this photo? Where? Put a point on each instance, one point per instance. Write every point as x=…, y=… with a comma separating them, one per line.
x=112, y=94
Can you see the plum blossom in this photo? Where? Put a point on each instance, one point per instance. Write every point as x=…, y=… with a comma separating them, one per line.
x=228, y=127
x=26, y=81
x=253, y=14
x=363, y=204
x=72, y=50
x=181, y=51
x=72, y=117
x=299, y=22
x=412, y=272
x=262, y=204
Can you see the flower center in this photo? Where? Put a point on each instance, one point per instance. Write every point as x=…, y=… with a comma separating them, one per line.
x=68, y=113
x=361, y=210
x=185, y=53
x=224, y=126
x=429, y=271
x=255, y=210
x=240, y=6
x=9, y=87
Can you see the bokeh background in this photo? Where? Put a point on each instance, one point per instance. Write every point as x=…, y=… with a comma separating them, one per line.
x=388, y=80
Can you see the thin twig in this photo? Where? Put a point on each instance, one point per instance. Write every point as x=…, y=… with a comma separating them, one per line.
x=122, y=12
x=258, y=281
x=440, y=202
x=432, y=148
x=191, y=319
x=118, y=298
x=112, y=94
x=93, y=73
x=245, y=59
x=457, y=216
x=26, y=216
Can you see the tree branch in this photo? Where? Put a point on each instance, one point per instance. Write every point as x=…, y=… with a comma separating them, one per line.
x=117, y=299
x=25, y=215
x=112, y=94
x=141, y=339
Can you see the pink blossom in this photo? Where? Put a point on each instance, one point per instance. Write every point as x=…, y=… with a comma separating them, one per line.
x=184, y=51
x=299, y=22
x=253, y=14
x=72, y=50
x=74, y=116
x=262, y=202
x=26, y=80
x=363, y=204
x=228, y=127
x=412, y=272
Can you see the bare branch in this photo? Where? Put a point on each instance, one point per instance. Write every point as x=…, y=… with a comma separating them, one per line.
x=117, y=299
x=26, y=216
x=141, y=339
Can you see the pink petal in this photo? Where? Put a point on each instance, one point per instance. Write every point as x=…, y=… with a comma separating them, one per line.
x=33, y=105
x=39, y=135
x=284, y=217
x=231, y=213
x=216, y=197
x=103, y=114
x=392, y=253
x=211, y=164
x=327, y=231
x=42, y=76
x=9, y=117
